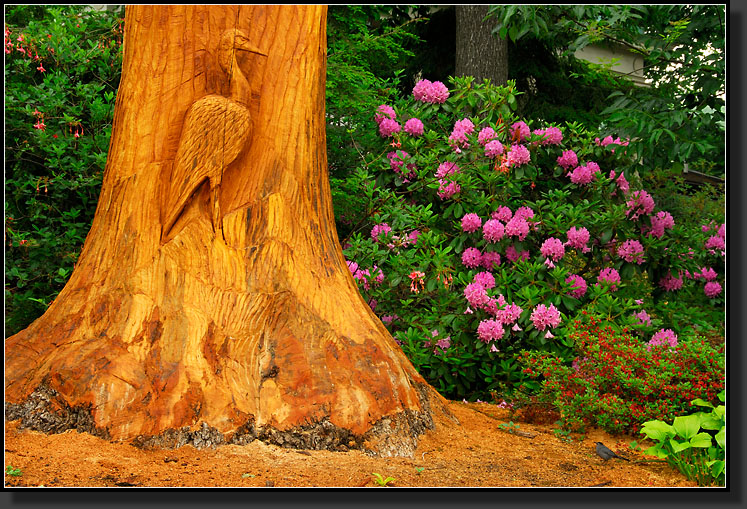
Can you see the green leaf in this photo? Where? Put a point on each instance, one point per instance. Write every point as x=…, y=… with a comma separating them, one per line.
x=657, y=430
x=678, y=446
x=686, y=426
x=721, y=438
x=701, y=402
x=701, y=440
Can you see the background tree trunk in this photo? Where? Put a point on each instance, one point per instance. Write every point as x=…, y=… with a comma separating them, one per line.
x=478, y=52
x=201, y=335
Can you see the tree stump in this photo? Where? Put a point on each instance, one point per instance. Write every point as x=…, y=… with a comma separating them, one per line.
x=211, y=302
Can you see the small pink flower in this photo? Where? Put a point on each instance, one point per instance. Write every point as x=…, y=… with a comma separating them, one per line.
x=631, y=251
x=490, y=260
x=486, y=279
x=578, y=285
x=490, y=330
x=578, y=238
x=383, y=112
x=712, y=289
x=502, y=214
x=414, y=127
x=609, y=276
x=493, y=230
x=518, y=155
x=388, y=127
x=663, y=337
x=493, y=148
x=520, y=131
x=552, y=248
x=471, y=257
x=568, y=159
x=543, y=316
x=485, y=135
x=471, y=222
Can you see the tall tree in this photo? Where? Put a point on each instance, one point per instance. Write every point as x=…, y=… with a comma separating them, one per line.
x=479, y=52
x=211, y=301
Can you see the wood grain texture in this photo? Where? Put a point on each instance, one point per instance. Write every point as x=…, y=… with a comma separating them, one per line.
x=255, y=323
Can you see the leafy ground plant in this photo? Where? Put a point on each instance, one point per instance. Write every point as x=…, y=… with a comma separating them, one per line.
x=693, y=444
x=12, y=471
x=381, y=481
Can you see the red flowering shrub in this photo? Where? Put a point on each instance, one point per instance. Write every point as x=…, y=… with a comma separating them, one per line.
x=616, y=383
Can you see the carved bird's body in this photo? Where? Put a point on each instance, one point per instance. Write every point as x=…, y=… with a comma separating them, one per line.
x=215, y=131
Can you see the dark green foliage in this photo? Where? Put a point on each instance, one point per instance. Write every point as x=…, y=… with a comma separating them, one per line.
x=57, y=130
x=680, y=118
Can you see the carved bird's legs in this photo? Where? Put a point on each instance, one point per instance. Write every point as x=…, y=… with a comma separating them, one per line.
x=215, y=210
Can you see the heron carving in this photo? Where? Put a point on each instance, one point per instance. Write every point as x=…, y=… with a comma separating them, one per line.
x=215, y=130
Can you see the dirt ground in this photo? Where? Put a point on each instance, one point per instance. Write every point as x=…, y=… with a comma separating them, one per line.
x=478, y=452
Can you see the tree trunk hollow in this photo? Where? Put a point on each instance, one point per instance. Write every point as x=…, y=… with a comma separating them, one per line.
x=239, y=319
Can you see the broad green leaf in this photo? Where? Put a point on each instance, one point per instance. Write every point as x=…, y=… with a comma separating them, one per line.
x=721, y=438
x=701, y=440
x=701, y=402
x=686, y=426
x=657, y=430
x=657, y=451
x=678, y=446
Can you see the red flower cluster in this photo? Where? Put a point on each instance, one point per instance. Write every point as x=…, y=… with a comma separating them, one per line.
x=617, y=384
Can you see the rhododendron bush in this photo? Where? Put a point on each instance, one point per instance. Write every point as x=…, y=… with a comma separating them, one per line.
x=489, y=234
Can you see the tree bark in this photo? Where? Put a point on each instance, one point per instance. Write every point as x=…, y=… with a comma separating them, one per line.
x=211, y=302
x=478, y=52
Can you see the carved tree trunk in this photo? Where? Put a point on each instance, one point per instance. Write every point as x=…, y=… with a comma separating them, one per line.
x=211, y=302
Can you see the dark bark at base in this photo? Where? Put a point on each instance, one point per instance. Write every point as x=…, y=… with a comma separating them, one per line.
x=391, y=436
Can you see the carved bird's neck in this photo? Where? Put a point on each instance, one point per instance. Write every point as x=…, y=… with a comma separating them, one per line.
x=240, y=91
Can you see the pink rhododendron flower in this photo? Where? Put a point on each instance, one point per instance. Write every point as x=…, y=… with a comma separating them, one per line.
x=578, y=238
x=568, y=159
x=388, y=127
x=412, y=237
x=471, y=222
x=490, y=330
x=609, y=276
x=509, y=313
x=640, y=203
x=552, y=248
x=490, y=260
x=643, y=318
x=462, y=128
x=446, y=168
x=476, y=295
x=434, y=93
x=514, y=255
x=659, y=223
x=578, y=285
x=502, y=214
x=550, y=135
x=715, y=243
x=518, y=155
x=631, y=251
x=517, y=227
x=447, y=189
x=414, y=127
x=524, y=212
x=378, y=229
x=486, y=279
x=397, y=162
x=485, y=135
x=583, y=175
x=712, y=289
x=671, y=283
x=471, y=257
x=543, y=317
x=520, y=131
x=706, y=273
x=493, y=148
x=663, y=337
x=384, y=111
x=493, y=230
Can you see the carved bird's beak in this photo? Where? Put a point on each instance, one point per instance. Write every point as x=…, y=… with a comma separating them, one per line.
x=243, y=43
